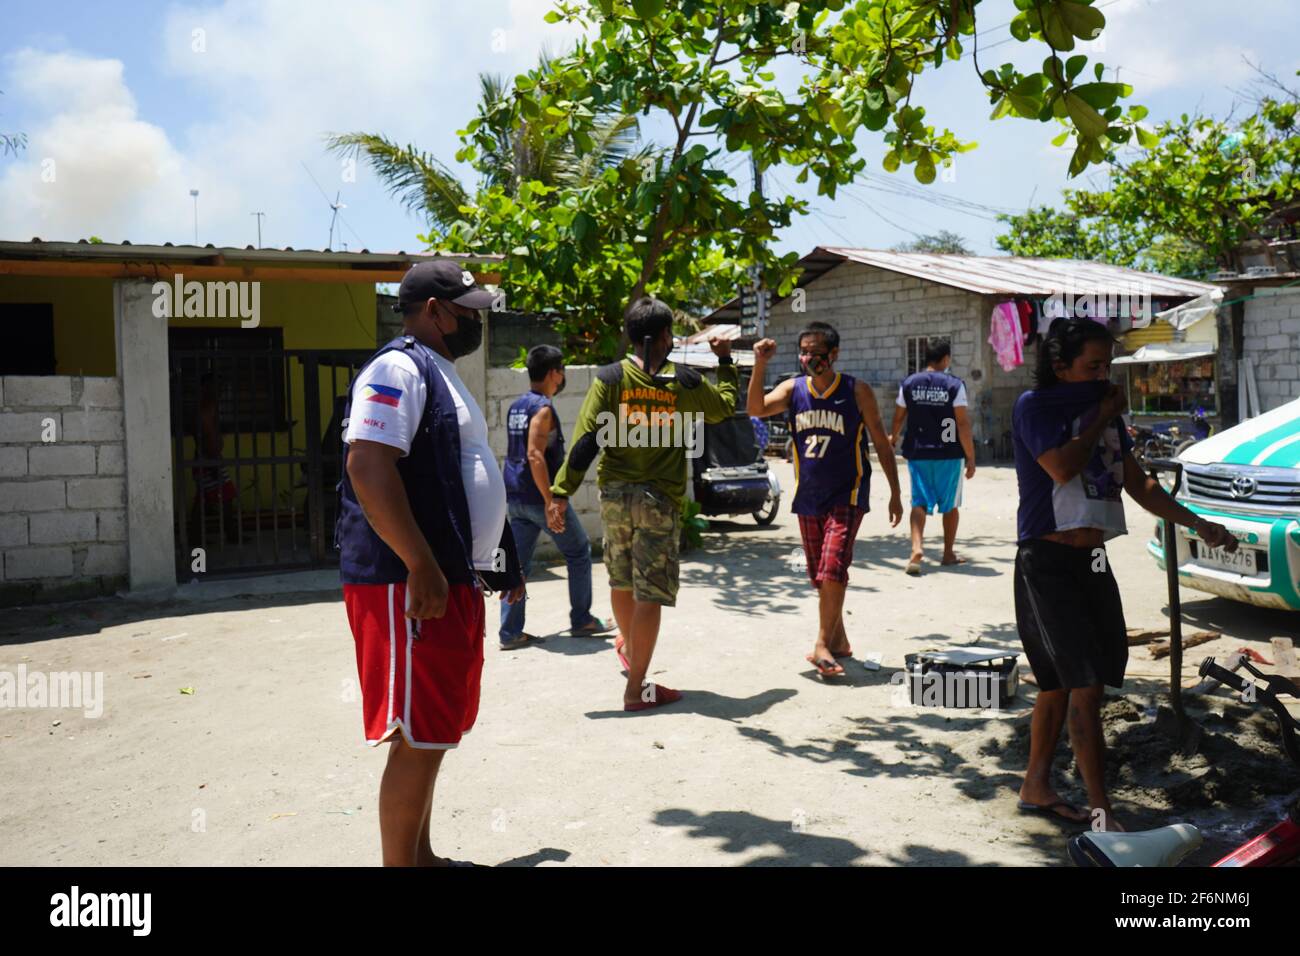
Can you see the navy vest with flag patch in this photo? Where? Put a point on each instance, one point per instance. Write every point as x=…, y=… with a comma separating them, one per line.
x=831, y=466
x=931, y=421
x=520, y=485
x=431, y=477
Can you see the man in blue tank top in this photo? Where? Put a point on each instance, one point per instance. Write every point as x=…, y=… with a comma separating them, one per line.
x=831, y=416
x=534, y=453
x=933, y=404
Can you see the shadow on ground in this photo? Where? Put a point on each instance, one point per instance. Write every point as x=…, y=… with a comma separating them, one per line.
x=708, y=704
x=29, y=625
x=779, y=841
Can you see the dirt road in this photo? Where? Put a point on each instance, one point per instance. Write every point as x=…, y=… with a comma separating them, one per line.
x=761, y=763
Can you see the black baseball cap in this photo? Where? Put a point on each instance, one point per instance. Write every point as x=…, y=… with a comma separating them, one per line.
x=441, y=279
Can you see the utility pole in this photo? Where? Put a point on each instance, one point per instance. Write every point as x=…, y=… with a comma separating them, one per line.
x=259, y=216
x=195, y=193
x=760, y=294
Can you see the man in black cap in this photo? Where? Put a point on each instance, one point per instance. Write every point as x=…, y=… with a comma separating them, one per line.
x=421, y=533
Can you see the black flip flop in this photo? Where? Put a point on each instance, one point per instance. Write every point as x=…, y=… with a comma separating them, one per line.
x=522, y=640
x=602, y=629
x=1049, y=810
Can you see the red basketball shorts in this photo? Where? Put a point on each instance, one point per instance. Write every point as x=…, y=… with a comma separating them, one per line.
x=426, y=686
x=828, y=541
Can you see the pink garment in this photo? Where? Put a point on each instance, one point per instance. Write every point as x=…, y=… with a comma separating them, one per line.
x=1005, y=336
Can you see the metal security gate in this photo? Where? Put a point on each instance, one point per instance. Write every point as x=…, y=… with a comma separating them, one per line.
x=257, y=450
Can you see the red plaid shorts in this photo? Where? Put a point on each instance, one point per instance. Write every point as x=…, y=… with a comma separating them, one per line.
x=828, y=542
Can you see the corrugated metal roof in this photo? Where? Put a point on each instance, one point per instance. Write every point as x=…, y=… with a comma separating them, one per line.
x=1018, y=275
x=993, y=275
x=115, y=252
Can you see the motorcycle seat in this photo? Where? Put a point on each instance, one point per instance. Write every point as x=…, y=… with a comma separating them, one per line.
x=1164, y=846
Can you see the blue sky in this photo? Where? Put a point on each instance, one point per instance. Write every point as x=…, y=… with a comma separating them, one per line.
x=129, y=105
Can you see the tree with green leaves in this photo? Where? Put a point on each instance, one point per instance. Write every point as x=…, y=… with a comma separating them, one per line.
x=943, y=241
x=1185, y=204
x=672, y=221
x=514, y=152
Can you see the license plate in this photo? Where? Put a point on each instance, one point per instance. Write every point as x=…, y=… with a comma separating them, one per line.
x=1241, y=561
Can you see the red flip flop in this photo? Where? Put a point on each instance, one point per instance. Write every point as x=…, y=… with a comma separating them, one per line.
x=659, y=696
x=619, y=644
x=825, y=668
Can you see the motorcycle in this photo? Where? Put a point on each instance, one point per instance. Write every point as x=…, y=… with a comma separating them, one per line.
x=729, y=476
x=1169, y=439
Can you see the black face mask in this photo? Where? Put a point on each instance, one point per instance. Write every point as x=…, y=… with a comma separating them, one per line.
x=563, y=381
x=467, y=337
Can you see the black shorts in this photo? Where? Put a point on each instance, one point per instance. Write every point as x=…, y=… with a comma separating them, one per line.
x=1069, y=616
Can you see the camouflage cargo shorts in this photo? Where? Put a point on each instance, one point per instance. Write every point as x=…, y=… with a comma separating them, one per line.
x=642, y=528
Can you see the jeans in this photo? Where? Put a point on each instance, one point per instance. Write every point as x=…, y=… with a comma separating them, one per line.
x=526, y=523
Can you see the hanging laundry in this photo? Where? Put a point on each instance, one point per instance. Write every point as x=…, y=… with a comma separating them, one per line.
x=1005, y=337
x=1026, y=313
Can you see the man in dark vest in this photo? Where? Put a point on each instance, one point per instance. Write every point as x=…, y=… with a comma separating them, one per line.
x=421, y=534
x=933, y=404
x=534, y=451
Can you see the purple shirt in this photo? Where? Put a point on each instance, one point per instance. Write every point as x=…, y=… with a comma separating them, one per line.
x=1048, y=418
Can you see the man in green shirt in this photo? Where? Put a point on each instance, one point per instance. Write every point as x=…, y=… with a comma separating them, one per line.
x=645, y=414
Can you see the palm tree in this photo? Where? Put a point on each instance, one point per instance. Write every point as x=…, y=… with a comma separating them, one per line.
x=517, y=153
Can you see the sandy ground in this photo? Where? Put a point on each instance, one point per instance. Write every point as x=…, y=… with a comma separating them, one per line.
x=760, y=764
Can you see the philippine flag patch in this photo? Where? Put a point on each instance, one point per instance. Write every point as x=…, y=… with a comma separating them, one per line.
x=383, y=394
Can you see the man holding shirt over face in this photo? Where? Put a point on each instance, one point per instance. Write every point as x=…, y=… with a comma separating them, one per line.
x=421, y=533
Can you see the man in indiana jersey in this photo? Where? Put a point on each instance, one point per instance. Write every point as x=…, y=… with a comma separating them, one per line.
x=830, y=417
x=933, y=404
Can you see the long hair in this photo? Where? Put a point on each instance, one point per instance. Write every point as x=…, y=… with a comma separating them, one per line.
x=1065, y=342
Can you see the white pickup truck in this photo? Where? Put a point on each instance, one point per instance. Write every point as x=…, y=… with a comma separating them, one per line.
x=1248, y=479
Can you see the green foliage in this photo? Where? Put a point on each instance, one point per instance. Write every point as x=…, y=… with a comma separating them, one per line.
x=1183, y=204
x=693, y=526
x=670, y=220
x=942, y=241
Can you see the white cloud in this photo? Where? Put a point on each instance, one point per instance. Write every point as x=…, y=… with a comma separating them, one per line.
x=261, y=85
x=92, y=166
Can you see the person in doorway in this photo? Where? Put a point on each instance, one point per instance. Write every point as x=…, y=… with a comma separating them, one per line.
x=831, y=415
x=932, y=403
x=421, y=534
x=1073, y=460
x=534, y=451
x=216, y=492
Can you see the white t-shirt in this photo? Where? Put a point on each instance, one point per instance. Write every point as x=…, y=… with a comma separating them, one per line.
x=387, y=401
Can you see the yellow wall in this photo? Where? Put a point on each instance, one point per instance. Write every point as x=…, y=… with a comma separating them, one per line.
x=84, y=342
x=313, y=316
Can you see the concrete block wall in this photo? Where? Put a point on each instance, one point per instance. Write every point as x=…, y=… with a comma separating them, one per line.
x=876, y=311
x=1271, y=340
x=504, y=385
x=62, y=488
